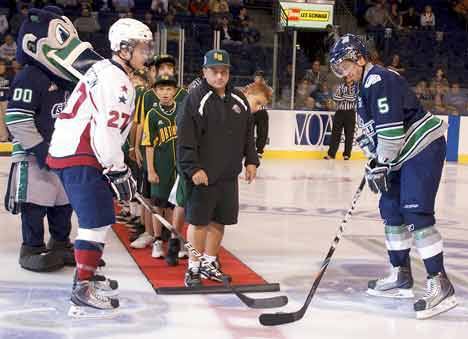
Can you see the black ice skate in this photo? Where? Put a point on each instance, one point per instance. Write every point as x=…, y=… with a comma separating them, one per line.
x=439, y=297
x=399, y=284
x=89, y=302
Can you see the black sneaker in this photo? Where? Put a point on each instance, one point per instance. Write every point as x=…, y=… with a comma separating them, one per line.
x=173, y=249
x=192, y=278
x=209, y=271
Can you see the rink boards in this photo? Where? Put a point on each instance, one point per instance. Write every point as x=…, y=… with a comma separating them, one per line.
x=306, y=135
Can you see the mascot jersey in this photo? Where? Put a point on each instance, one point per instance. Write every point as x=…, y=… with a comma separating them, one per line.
x=35, y=101
x=97, y=116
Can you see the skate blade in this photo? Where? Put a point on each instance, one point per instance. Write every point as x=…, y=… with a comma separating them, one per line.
x=401, y=293
x=83, y=312
x=444, y=306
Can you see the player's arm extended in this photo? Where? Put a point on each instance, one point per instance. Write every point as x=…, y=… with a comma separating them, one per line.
x=386, y=104
x=187, y=140
x=111, y=122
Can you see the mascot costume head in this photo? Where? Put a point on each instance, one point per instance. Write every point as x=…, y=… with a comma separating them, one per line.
x=49, y=40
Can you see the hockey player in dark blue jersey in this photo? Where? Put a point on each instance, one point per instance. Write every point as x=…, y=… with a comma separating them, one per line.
x=406, y=149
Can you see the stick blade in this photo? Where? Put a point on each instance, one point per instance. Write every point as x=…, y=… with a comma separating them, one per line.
x=280, y=318
x=263, y=302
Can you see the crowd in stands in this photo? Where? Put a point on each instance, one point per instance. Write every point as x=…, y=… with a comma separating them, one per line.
x=92, y=18
x=408, y=21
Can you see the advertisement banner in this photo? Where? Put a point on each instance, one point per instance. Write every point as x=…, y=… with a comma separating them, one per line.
x=307, y=15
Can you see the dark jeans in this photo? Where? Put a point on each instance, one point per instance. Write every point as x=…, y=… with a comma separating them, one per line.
x=343, y=119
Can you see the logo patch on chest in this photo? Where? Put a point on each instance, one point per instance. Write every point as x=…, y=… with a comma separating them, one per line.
x=236, y=109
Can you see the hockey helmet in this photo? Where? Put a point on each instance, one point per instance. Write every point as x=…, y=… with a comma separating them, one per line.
x=347, y=47
x=126, y=32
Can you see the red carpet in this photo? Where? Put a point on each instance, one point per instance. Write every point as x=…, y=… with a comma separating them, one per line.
x=160, y=275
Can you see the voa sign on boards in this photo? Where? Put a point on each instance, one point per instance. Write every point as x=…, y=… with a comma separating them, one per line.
x=313, y=128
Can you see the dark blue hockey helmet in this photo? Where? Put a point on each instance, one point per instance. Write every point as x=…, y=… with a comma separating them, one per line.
x=347, y=47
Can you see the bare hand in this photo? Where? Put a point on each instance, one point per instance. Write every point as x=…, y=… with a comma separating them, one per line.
x=153, y=177
x=250, y=173
x=200, y=178
x=138, y=157
x=131, y=154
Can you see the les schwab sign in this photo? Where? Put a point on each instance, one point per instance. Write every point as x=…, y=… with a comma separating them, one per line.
x=307, y=15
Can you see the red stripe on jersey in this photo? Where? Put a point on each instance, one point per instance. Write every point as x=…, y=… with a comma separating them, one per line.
x=73, y=161
x=83, y=155
x=84, y=147
x=92, y=101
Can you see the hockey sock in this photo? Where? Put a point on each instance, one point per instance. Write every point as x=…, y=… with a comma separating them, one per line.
x=434, y=264
x=398, y=240
x=194, y=265
x=399, y=258
x=87, y=256
x=430, y=247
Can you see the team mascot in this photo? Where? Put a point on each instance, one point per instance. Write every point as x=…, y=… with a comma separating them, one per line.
x=53, y=59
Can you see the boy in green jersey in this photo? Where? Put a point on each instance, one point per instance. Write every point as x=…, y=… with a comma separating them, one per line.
x=159, y=139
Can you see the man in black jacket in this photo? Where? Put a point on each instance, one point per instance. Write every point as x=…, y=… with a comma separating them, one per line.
x=215, y=132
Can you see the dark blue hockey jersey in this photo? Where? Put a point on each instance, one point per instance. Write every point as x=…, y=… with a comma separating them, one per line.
x=390, y=114
x=35, y=99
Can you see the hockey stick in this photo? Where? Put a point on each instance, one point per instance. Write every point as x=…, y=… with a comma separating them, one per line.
x=250, y=302
x=274, y=319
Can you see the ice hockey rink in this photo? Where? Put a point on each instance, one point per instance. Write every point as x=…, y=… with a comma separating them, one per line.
x=287, y=221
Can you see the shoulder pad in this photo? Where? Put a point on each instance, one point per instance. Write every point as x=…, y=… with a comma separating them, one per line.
x=372, y=80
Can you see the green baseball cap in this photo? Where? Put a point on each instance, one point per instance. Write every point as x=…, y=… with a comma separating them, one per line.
x=216, y=57
x=157, y=60
x=166, y=80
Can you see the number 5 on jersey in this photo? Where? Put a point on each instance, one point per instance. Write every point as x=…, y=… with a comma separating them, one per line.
x=383, y=105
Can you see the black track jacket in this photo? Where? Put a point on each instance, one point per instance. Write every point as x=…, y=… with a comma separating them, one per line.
x=215, y=134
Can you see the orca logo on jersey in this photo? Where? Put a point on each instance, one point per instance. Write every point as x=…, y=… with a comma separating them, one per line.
x=372, y=80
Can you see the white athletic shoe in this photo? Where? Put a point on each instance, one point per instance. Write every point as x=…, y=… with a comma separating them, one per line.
x=183, y=253
x=144, y=240
x=158, y=251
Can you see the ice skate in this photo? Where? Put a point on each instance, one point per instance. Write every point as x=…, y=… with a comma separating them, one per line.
x=87, y=301
x=399, y=284
x=439, y=297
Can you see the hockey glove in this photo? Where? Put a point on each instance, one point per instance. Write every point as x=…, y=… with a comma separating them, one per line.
x=122, y=183
x=367, y=145
x=377, y=176
x=40, y=151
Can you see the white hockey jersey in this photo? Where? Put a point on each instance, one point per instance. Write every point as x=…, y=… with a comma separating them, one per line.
x=92, y=128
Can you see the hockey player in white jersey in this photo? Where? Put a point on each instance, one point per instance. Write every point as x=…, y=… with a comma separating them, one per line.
x=86, y=153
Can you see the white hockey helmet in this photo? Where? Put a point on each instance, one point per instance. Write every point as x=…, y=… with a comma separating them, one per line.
x=126, y=32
